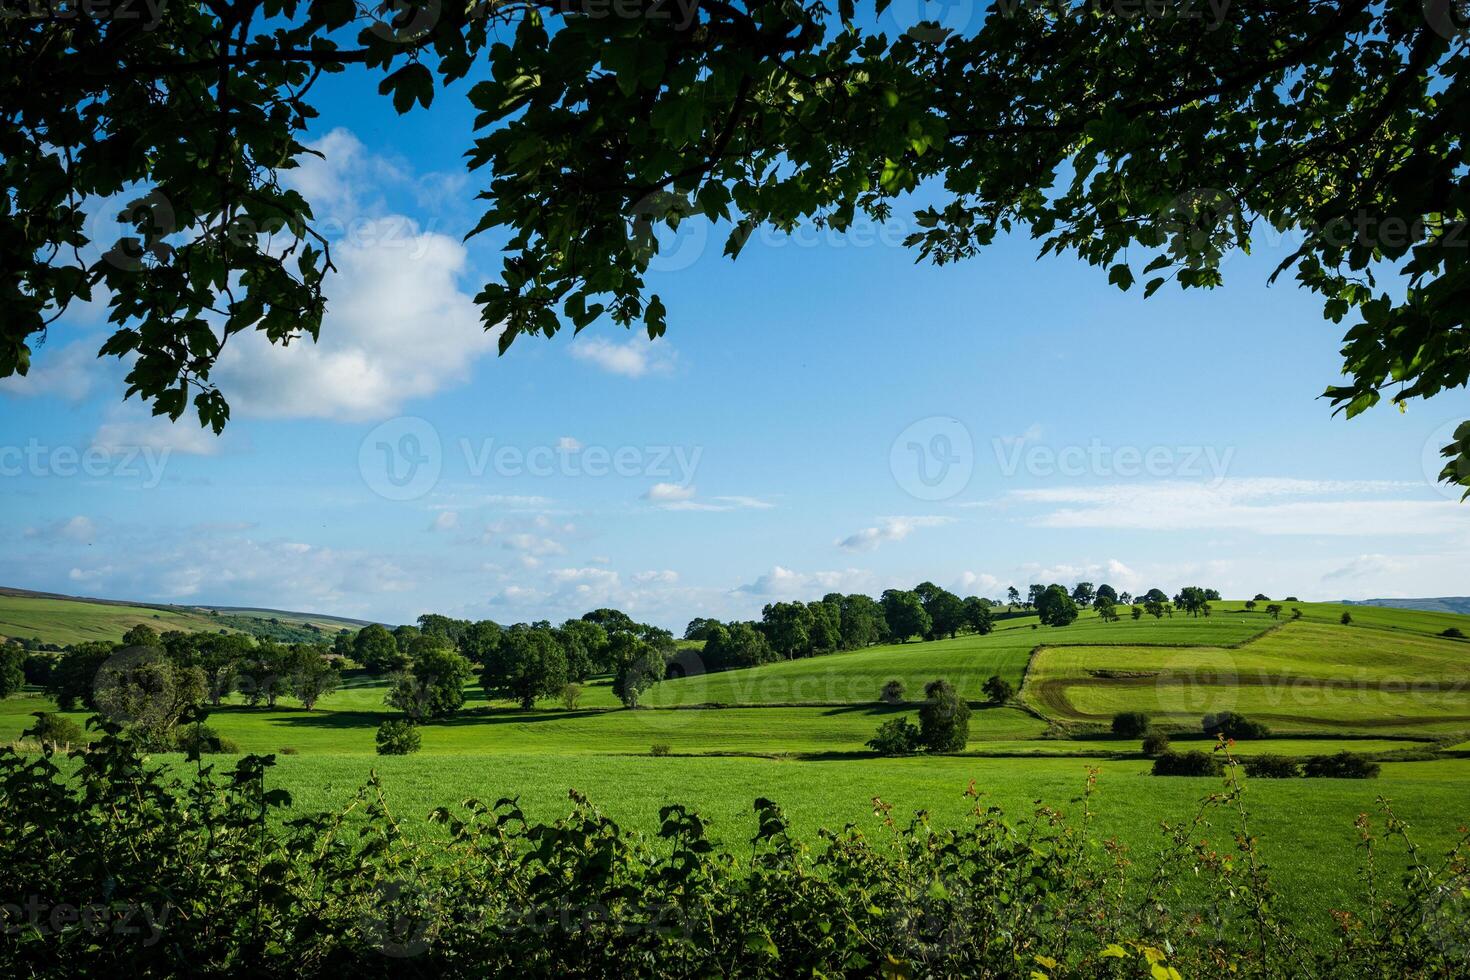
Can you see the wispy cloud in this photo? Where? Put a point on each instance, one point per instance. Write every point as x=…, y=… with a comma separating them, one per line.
x=675, y=496
x=888, y=529
x=631, y=359
x=1273, y=506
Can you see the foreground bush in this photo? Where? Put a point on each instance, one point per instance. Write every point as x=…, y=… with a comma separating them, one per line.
x=1195, y=763
x=118, y=868
x=1343, y=765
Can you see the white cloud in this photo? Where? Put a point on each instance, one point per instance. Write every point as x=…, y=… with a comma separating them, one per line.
x=129, y=426
x=781, y=582
x=665, y=577
x=337, y=182
x=446, y=520
x=1112, y=572
x=888, y=529
x=662, y=493
x=1273, y=506
x=634, y=358
x=68, y=373
x=80, y=528
x=674, y=496
x=1367, y=566
x=979, y=584
x=398, y=327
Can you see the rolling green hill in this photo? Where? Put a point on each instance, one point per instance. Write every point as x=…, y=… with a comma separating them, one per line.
x=62, y=619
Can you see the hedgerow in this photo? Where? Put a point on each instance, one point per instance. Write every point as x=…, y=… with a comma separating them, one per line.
x=115, y=866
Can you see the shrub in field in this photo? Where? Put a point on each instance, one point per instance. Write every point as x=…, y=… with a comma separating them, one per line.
x=1268, y=766
x=198, y=738
x=944, y=719
x=288, y=750
x=659, y=750
x=998, y=690
x=1130, y=724
x=571, y=696
x=1343, y=765
x=1453, y=633
x=897, y=736
x=398, y=737
x=1155, y=743
x=202, y=872
x=1194, y=763
x=1231, y=725
x=892, y=691
x=53, y=730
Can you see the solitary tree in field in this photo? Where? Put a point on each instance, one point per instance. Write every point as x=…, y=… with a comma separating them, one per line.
x=1250, y=604
x=1106, y=591
x=1346, y=619
x=1013, y=597
x=1275, y=610
x=1106, y=610
x=998, y=690
x=1136, y=612
x=944, y=719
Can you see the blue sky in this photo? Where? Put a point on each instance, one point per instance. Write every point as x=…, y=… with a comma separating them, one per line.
x=776, y=444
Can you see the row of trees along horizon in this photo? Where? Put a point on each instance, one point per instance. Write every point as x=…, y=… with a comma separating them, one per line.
x=152, y=678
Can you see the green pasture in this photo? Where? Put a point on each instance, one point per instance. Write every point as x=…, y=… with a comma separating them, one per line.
x=1304, y=676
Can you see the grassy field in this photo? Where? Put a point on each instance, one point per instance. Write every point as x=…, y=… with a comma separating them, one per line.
x=796, y=732
x=1304, y=676
x=1306, y=826
x=966, y=662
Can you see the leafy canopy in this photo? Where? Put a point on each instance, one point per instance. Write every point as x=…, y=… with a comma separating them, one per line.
x=1151, y=141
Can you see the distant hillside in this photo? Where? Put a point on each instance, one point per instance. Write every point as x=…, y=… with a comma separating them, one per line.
x=1450, y=604
x=63, y=619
